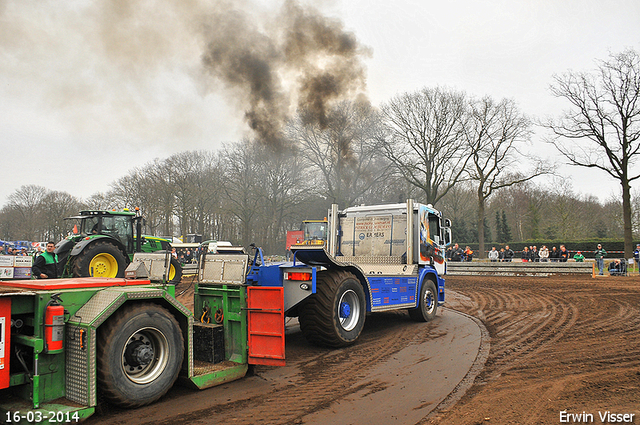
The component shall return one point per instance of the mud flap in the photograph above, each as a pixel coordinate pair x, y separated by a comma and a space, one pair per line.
265, 318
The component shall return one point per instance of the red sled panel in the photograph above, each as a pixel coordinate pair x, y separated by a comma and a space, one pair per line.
265, 318
5, 341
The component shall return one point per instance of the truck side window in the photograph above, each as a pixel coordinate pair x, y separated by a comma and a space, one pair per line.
434, 228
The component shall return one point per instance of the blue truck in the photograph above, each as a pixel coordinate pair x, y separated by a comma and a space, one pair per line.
377, 258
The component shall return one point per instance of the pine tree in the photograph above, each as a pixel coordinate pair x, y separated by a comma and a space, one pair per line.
506, 231
487, 230
499, 230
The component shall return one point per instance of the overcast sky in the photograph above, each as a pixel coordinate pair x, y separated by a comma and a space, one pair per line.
89, 90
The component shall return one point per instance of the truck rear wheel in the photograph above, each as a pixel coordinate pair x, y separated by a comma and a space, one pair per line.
427, 304
140, 352
334, 316
101, 259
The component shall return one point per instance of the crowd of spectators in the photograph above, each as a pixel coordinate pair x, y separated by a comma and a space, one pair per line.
185, 256
528, 254
20, 252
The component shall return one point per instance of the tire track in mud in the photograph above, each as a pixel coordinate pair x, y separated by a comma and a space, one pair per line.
331, 375
556, 342
326, 377
524, 325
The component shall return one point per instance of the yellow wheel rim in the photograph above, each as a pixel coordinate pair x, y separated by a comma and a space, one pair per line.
103, 265
172, 272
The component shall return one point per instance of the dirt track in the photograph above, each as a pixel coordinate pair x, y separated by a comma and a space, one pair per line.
557, 343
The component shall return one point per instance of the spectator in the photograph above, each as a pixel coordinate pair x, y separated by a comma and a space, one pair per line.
544, 254
508, 254
174, 254
600, 254
1, 249
468, 253
615, 268
46, 264
563, 255
37, 252
535, 256
9, 251
493, 254
457, 254
579, 257
526, 255
554, 255
449, 253
501, 255
636, 256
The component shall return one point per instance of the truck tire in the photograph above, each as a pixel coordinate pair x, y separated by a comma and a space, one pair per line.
175, 271
101, 259
140, 353
334, 316
427, 304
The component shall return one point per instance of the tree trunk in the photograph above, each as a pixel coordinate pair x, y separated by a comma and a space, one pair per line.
626, 213
481, 249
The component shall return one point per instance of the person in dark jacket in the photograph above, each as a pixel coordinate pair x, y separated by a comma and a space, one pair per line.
554, 255
508, 254
457, 254
564, 254
46, 264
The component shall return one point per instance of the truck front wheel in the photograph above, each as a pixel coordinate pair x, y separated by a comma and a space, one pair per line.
140, 352
334, 316
427, 304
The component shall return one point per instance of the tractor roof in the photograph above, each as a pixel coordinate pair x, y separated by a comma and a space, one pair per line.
97, 213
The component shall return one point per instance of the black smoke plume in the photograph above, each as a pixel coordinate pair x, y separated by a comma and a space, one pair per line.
298, 59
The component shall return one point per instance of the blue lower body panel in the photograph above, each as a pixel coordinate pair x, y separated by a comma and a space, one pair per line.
391, 291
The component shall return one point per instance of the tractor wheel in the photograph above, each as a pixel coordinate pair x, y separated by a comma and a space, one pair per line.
334, 316
101, 259
427, 304
140, 353
175, 271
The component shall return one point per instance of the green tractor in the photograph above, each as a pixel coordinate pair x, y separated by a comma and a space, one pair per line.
103, 244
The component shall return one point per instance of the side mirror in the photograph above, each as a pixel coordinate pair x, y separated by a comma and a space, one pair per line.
446, 223
447, 237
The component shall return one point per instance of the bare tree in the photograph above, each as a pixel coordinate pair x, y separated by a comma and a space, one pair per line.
345, 153
602, 128
194, 178
243, 191
425, 142
100, 201
285, 185
57, 207
27, 203
492, 134
147, 188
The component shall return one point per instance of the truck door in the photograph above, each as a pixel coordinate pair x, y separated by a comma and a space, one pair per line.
265, 318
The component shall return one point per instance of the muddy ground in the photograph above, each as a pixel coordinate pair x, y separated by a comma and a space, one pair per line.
557, 343
552, 344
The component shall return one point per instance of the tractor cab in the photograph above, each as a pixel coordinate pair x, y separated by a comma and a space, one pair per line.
314, 232
117, 225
